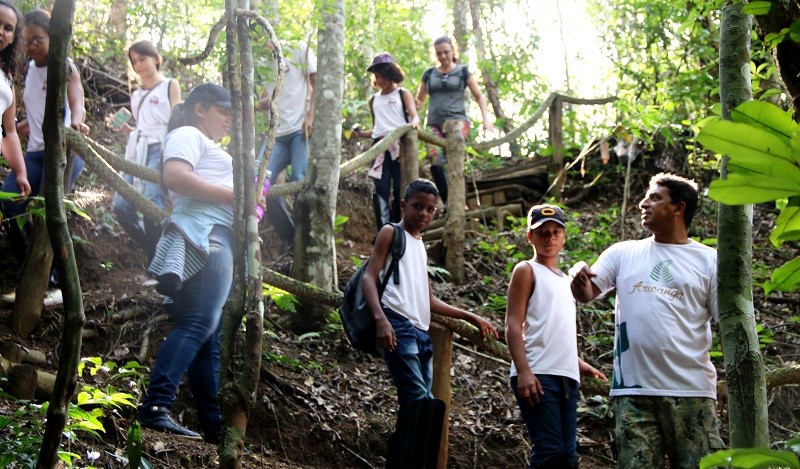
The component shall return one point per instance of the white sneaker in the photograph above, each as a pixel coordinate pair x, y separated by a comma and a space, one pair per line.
53, 297
150, 282
9, 297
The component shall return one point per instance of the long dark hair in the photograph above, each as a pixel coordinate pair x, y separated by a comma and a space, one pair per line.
11, 57
182, 115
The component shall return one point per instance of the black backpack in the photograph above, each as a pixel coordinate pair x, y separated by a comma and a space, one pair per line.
357, 318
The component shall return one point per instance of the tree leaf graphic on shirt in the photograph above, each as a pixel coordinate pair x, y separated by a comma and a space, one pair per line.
661, 273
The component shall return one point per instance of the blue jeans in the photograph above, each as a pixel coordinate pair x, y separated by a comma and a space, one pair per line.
552, 422
193, 344
142, 231
411, 364
34, 165
290, 149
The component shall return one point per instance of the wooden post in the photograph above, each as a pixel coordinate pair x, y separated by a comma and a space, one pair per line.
442, 339
454, 224
556, 131
34, 275
409, 159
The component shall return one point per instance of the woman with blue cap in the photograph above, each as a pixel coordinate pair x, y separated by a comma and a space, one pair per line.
193, 261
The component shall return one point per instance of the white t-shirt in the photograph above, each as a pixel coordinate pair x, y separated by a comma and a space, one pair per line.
666, 298
388, 111
152, 115
6, 93
34, 96
294, 93
213, 164
551, 340
411, 297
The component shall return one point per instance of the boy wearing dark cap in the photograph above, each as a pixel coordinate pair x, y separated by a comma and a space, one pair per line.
542, 339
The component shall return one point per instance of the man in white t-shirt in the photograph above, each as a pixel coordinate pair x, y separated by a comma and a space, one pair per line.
295, 123
664, 385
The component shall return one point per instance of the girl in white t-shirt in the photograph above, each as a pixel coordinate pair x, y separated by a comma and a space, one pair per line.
151, 108
391, 107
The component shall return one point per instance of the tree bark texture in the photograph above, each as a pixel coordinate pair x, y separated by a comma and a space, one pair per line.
32, 284
58, 230
315, 209
409, 159
455, 222
239, 373
461, 28
744, 365
780, 16
556, 133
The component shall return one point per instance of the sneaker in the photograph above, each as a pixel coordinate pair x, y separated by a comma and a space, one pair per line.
158, 418
9, 297
53, 297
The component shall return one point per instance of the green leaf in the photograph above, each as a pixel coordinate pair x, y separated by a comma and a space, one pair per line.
740, 189
787, 226
766, 116
757, 8
749, 147
134, 446
750, 458
785, 277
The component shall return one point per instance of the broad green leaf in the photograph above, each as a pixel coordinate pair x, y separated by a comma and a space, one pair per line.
740, 189
755, 149
750, 458
757, 8
796, 145
785, 277
765, 116
787, 226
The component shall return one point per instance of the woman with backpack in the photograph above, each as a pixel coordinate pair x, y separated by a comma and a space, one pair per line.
391, 107
445, 84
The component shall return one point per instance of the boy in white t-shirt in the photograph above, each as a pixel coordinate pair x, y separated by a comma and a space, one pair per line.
664, 385
542, 339
402, 317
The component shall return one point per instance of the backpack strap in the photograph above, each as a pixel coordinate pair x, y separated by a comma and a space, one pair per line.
426, 78
371, 111
398, 249
402, 91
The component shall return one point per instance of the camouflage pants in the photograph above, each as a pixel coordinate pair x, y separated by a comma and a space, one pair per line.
648, 427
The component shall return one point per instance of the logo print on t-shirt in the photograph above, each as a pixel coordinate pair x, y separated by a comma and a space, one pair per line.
661, 273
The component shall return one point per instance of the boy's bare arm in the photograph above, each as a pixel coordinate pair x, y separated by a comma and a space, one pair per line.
384, 333
586, 369
440, 307
520, 289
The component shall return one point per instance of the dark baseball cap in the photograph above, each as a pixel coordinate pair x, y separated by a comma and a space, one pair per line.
210, 93
544, 213
382, 58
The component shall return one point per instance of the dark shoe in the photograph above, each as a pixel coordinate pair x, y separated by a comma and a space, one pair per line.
157, 418
212, 433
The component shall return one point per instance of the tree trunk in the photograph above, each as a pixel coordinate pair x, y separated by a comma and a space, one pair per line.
315, 210
58, 230
781, 15
239, 375
492, 94
409, 160
556, 131
744, 365
454, 225
118, 19
461, 28
32, 284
